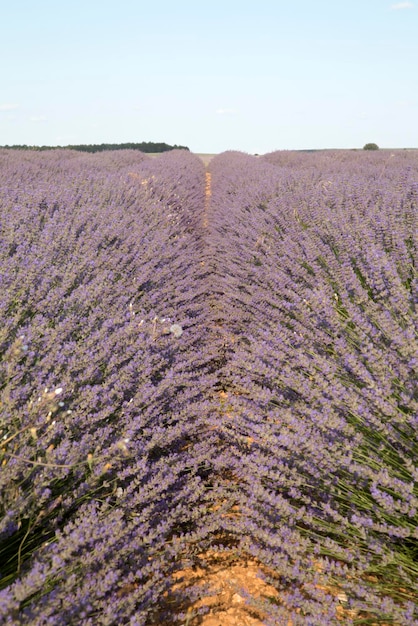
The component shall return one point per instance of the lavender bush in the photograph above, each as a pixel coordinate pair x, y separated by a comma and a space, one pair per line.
102, 404
317, 269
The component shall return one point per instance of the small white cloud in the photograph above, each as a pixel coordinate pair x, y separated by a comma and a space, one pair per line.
406, 104
402, 5
38, 118
8, 107
225, 111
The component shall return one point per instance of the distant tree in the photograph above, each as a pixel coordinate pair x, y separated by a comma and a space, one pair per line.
371, 146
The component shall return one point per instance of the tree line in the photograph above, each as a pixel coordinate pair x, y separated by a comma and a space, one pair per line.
144, 146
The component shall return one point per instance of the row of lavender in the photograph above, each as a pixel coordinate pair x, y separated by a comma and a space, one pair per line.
317, 262
104, 378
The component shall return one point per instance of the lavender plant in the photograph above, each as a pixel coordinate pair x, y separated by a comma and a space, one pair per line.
319, 289
102, 469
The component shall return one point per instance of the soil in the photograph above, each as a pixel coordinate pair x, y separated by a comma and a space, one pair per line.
228, 583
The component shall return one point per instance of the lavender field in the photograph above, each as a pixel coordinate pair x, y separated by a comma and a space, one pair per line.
199, 361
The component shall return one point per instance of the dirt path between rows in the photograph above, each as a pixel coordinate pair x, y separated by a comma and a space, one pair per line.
206, 158
228, 578
208, 194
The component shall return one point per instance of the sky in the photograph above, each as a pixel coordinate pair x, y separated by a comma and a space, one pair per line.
213, 75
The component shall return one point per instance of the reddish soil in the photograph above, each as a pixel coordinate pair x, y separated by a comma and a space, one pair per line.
227, 579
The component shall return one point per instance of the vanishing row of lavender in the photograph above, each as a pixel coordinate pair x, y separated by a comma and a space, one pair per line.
179, 374
103, 375
317, 266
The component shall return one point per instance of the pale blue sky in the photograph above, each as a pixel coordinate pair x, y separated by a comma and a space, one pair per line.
213, 75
